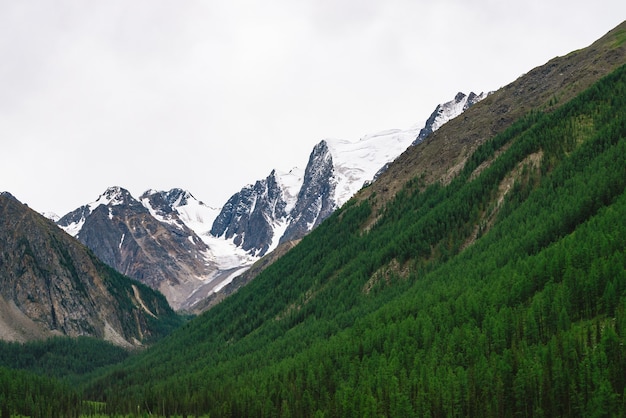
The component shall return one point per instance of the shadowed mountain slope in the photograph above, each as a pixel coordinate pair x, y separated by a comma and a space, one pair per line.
50, 284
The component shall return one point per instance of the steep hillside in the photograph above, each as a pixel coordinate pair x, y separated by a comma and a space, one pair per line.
498, 292
444, 153
50, 284
190, 252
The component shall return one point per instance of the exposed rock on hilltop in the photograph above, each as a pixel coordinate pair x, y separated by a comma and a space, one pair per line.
250, 216
447, 111
316, 199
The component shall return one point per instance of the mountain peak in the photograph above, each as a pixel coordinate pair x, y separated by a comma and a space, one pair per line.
8, 195
459, 97
114, 196
447, 111
171, 199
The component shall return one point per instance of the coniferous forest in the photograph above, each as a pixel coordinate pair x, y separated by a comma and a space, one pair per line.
499, 294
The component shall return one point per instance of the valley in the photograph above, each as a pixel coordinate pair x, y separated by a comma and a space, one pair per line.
482, 272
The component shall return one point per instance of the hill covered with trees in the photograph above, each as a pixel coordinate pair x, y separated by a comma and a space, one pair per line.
501, 293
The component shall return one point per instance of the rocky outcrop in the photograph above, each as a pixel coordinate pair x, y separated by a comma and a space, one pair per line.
250, 216
446, 111
316, 197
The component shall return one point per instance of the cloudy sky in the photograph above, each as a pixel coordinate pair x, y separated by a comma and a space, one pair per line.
211, 95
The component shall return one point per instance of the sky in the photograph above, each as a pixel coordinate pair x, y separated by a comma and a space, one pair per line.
210, 96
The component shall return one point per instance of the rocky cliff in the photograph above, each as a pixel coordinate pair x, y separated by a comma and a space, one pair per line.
51, 284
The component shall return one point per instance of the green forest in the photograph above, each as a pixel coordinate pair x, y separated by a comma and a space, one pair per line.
500, 294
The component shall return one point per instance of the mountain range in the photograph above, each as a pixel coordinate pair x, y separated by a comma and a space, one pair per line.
174, 243
482, 273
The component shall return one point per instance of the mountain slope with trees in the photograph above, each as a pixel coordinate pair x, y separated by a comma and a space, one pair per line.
52, 285
496, 289
498, 292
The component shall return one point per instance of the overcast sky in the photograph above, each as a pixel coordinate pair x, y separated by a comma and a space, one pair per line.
212, 95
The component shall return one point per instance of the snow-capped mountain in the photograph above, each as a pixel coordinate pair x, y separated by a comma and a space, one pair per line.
158, 240
188, 250
261, 216
251, 216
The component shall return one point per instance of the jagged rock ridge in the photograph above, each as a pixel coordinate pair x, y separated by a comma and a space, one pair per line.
446, 111
172, 242
160, 239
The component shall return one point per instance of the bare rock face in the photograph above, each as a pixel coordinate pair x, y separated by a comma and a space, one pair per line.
316, 197
447, 111
249, 215
157, 249
50, 284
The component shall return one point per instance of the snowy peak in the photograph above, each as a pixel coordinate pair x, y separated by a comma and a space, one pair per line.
163, 204
446, 111
115, 196
170, 199
250, 215
73, 222
285, 207
177, 207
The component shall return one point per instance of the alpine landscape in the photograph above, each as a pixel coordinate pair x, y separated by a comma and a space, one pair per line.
472, 265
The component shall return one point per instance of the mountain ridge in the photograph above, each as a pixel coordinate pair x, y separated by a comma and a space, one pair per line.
418, 314
41, 266
544, 87
335, 171
144, 238
496, 289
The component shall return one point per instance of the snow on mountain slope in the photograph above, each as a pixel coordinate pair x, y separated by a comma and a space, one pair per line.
254, 221
290, 184
336, 170
356, 163
177, 207
73, 222
448, 110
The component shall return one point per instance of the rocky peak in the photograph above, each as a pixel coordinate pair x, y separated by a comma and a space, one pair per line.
316, 197
446, 111
248, 217
175, 197
148, 243
114, 196
165, 202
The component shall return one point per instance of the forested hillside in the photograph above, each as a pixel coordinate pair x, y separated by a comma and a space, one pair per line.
500, 293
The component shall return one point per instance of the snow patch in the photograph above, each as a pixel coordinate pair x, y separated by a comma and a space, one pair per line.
74, 228
357, 162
